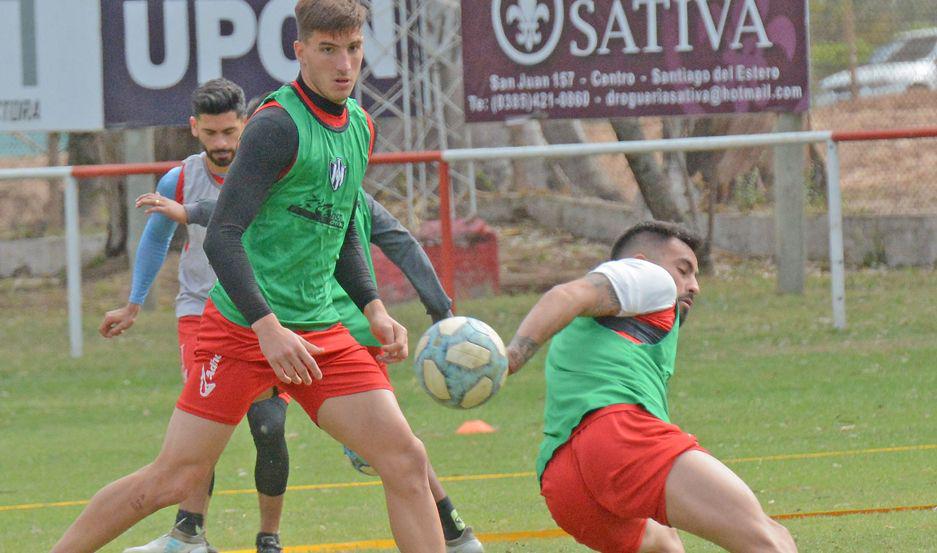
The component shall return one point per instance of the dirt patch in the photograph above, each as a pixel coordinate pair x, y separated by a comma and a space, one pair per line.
534, 259
885, 177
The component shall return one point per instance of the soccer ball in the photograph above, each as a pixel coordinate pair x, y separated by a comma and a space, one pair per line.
461, 362
358, 463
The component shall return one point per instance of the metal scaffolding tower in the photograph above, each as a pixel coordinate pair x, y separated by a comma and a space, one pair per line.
413, 90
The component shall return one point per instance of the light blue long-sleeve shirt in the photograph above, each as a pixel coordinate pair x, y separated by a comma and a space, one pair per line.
154, 242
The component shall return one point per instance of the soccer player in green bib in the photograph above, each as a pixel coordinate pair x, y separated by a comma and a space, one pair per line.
374, 222
282, 229
615, 473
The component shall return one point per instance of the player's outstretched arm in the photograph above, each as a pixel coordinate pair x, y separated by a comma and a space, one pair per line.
590, 296
404, 251
354, 276
150, 255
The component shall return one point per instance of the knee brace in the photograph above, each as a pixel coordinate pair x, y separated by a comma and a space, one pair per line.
267, 420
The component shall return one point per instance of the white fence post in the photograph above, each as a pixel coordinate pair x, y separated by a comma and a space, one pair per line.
73, 265
835, 214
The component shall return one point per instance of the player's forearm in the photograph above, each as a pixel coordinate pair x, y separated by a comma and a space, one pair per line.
352, 272
150, 255
555, 309
200, 212
374, 308
419, 271
404, 251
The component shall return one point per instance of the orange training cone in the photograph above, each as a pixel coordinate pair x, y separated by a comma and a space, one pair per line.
476, 426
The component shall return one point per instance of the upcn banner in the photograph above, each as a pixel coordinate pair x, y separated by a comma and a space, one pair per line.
623, 58
156, 52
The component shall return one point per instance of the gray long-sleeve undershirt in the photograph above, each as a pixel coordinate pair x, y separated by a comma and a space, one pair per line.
388, 234
267, 150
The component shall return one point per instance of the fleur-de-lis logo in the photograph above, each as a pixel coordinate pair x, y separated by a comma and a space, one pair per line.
533, 42
528, 14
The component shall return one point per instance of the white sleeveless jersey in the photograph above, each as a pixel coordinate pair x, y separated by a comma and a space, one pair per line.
196, 277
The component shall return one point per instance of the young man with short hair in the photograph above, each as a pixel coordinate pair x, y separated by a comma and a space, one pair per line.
615, 473
217, 122
282, 228
383, 230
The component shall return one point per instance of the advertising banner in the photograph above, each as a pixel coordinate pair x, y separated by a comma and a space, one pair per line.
50, 65
625, 58
158, 51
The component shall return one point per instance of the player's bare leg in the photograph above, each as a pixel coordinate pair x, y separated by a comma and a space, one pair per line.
698, 481
660, 539
371, 424
271, 509
198, 500
435, 486
190, 449
459, 536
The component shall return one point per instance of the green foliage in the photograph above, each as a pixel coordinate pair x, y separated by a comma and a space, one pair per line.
758, 375
749, 192
876, 23
827, 58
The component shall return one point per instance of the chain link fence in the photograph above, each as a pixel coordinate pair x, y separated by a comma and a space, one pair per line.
875, 67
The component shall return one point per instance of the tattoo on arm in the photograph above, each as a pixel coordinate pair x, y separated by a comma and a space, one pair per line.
520, 350
608, 303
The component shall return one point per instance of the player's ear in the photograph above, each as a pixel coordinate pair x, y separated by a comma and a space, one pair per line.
640, 256
193, 125
298, 47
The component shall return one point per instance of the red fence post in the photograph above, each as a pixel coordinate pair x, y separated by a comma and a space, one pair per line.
445, 221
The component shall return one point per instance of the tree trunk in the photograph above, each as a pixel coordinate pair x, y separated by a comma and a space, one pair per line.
174, 143
527, 174
648, 173
115, 194
583, 173
55, 206
86, 148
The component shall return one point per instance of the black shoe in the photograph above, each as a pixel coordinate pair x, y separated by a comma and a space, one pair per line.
269, 543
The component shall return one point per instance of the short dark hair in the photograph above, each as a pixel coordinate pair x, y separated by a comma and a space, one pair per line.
218, 96
330, 16
256, 101
657, 231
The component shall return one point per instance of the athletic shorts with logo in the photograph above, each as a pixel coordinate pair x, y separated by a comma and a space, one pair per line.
232, 371
187, 328
603, 484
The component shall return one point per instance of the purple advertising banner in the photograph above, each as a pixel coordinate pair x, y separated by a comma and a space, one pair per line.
156, 52
625, 58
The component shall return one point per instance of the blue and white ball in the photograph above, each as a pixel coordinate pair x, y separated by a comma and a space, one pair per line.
461, 362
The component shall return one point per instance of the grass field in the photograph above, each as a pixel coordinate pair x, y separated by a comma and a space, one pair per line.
813, 419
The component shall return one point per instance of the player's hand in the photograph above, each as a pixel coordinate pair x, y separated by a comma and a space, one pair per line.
117, 321
157, 203
290, 356
391, 334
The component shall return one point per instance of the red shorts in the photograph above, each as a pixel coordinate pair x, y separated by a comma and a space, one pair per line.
603, 484
374, 351
233, 371
187, 327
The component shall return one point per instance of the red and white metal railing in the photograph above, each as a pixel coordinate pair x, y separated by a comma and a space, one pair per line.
70, 174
